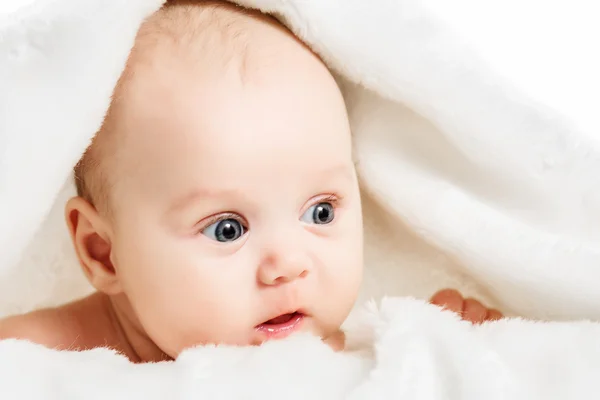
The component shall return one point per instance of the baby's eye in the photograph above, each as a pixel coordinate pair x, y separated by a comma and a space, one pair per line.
226, 230
321, 213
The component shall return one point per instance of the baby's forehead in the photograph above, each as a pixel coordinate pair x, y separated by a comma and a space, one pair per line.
183, 51
182, 92
181, 45
186, 45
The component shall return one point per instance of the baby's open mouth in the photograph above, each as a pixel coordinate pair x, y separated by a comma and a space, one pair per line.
282, 319
281, 325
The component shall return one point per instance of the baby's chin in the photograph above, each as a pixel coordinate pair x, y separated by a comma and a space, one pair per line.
277, 329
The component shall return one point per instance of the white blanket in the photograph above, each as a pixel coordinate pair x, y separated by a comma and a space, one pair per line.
419, 354
478, 144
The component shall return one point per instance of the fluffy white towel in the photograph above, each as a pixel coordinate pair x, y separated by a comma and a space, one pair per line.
413, 351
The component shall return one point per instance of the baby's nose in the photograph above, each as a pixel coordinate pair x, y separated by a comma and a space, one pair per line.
283, 268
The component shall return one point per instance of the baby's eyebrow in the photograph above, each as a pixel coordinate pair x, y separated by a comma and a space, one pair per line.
343, 170
199, 194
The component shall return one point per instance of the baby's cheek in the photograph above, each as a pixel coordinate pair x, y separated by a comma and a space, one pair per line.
348, 257
340, 283
348, 265
214, 308
189, 324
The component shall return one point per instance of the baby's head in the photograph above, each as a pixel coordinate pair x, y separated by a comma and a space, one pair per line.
220, 192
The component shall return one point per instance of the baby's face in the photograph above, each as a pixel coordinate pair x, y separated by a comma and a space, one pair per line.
236, 202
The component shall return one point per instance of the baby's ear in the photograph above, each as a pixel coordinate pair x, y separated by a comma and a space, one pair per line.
91, 238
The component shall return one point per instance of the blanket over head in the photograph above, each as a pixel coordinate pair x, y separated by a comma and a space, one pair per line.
477, 141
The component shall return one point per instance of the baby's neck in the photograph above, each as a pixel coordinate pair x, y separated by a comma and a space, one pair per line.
93, 322
131, 339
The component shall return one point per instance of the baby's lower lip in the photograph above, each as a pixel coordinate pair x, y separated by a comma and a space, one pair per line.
281, 330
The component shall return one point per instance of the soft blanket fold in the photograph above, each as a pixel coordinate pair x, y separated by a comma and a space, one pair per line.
477, 140
419, 353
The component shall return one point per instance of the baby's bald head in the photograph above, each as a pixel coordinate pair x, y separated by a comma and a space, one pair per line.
204, 35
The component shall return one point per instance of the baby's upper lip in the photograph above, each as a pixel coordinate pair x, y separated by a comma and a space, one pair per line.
289, 311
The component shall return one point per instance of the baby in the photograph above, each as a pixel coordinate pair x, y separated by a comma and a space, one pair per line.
218, 203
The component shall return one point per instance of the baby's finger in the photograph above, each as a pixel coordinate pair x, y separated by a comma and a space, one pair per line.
449, 299
474, 311
493, 315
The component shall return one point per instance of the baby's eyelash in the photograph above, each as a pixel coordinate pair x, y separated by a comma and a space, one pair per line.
331, 198
220, 217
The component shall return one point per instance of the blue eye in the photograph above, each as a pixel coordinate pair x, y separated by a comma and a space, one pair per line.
226, 230
320, 214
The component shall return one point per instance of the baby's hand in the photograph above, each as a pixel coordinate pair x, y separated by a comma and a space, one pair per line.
469, 309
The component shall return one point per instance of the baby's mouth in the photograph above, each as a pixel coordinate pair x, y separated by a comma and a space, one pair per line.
282, 319
281, 326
